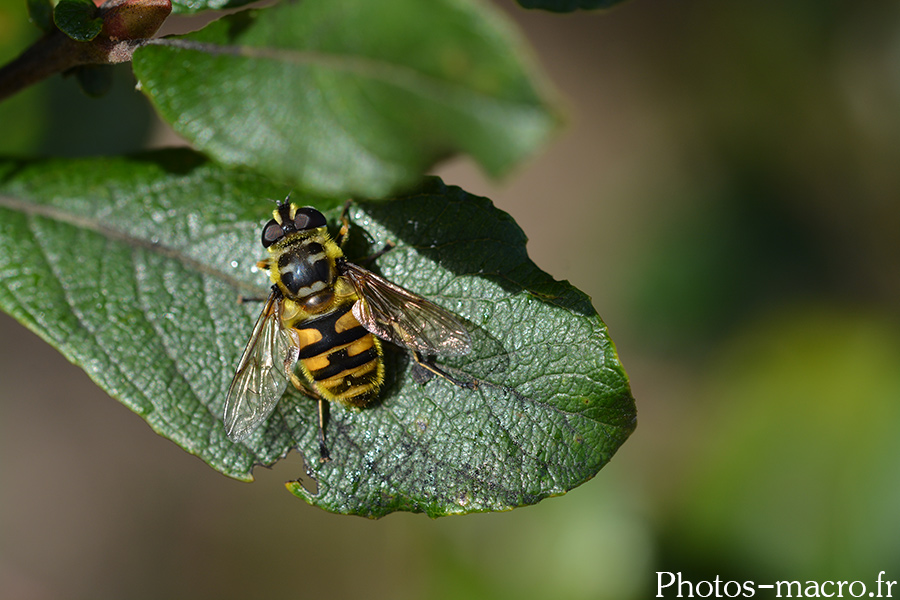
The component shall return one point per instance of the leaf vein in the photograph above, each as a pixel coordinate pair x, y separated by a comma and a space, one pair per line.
407, 78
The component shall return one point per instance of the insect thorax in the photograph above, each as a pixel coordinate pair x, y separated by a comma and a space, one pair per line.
303, 268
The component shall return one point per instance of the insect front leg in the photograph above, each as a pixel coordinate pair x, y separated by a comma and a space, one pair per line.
345, 230
341, 237
368, 259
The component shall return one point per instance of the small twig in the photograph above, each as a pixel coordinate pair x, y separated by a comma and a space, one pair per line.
126, 26
53, 53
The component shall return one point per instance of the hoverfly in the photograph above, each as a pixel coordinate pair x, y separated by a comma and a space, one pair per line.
322, 324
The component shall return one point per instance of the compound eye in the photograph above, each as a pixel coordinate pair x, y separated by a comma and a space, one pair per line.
271, 233
309, 218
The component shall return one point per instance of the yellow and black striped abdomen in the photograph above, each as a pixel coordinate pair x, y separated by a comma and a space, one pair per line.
339, 358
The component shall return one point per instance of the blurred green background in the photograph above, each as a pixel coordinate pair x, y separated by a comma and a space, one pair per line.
726, 191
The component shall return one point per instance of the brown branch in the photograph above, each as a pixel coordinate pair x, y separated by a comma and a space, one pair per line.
53, 53
126, 26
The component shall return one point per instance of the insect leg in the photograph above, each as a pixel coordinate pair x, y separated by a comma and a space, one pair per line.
303, 387
388, 246
248, 299
429, 366
324, 455
341, 237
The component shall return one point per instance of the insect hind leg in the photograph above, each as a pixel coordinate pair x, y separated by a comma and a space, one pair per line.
433, 369
324, 454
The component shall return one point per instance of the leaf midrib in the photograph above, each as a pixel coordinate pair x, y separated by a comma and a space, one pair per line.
64, 217
441, 91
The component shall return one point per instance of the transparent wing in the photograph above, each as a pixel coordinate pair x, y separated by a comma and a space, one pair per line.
401, 317
262, 373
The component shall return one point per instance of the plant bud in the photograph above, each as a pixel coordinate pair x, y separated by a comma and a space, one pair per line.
133, 19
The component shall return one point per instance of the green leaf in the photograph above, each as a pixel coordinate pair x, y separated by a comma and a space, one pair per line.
351, 97
132, 268
568, 5
78, 19
94, 80
185, 7
41, 14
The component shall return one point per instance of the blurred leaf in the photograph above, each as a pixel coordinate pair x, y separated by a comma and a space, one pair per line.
24, 121
22, 116
41, 14
78, 19
726, 259
75, 124
593, 546
95, 80
799, 446
351, 97
568, 5
194, 6
132, 268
